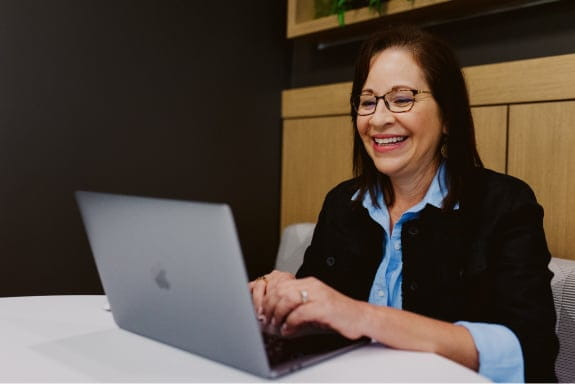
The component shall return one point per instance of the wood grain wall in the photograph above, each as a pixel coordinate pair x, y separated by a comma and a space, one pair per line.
524, 112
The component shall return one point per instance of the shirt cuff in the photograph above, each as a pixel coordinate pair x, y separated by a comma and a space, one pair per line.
500, 354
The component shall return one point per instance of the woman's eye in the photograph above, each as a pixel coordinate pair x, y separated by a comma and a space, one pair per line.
402, 100
367, 103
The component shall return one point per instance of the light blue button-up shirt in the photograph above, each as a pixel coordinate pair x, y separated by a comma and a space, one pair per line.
500, 355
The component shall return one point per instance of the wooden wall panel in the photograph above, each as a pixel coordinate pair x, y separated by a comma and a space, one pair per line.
541, 142
317, 155
541, 79
491, 136
323, 100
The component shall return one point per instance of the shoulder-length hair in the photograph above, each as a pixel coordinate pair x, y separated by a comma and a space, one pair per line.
447, 84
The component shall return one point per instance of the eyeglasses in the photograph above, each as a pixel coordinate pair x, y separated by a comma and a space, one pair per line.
397, 101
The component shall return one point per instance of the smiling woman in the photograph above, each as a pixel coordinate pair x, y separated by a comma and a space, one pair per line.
424, 249
403, 146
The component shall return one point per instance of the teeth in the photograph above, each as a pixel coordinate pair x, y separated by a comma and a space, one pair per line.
389, 140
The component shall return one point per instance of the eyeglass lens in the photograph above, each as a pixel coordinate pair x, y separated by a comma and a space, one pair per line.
395, 101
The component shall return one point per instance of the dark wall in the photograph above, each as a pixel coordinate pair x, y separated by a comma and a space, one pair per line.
542, 30
160, 98
172, 98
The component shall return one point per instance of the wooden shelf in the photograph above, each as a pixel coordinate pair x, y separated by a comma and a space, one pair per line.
301, 19
301, 15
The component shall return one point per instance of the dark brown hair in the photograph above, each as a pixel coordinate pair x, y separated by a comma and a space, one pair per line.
443, 74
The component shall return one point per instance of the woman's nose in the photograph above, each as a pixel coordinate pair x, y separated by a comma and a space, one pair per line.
382, 115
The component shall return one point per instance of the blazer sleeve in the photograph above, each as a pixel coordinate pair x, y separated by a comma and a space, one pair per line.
522, 283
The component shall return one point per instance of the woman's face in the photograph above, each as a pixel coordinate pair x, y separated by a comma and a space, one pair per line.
403, 146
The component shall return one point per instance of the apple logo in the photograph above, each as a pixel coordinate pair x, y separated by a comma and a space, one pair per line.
161, 277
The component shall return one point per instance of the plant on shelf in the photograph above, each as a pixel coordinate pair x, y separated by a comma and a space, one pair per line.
339, 7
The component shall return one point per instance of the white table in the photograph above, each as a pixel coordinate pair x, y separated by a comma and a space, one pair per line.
74, 339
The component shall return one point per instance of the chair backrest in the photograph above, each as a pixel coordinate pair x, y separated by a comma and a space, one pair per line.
296, 238
563, 286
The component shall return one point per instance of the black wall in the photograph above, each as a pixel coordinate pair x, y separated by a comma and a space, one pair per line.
172, 98
166, 98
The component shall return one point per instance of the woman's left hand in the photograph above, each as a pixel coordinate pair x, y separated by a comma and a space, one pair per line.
297, 303
294, 304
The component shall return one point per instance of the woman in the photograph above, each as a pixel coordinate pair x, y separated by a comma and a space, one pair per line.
424, 249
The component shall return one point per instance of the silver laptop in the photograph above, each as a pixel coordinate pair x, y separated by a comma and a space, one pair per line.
173, 271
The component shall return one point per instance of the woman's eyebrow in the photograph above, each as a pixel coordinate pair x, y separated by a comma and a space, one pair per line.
393, 88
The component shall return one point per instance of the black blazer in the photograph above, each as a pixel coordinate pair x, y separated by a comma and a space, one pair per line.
486, 262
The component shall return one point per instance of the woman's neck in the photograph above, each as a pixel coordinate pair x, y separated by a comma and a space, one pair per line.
409, 191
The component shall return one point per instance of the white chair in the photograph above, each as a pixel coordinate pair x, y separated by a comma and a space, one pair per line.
293, 242
296, 237
563, 286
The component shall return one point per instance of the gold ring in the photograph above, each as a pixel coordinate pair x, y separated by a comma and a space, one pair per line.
304, 296
262, 278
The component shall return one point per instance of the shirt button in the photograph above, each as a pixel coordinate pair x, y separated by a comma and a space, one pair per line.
397, 245
330, 261
413, 286
380, 293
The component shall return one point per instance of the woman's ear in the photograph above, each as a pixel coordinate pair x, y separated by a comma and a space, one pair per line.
443, 148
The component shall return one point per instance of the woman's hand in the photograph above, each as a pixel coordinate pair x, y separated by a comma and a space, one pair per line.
264, 284
293, 304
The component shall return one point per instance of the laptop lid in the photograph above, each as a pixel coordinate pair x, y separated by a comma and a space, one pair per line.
173, 271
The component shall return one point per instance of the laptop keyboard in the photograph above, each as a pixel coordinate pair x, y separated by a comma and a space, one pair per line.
281, 349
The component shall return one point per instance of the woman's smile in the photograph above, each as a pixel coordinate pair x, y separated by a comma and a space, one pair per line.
387, 143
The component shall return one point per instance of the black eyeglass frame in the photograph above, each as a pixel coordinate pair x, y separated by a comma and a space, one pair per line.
415, 92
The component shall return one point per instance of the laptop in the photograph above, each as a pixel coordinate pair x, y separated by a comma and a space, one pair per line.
173, 271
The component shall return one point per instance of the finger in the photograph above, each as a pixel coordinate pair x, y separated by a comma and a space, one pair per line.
301, 317
275, 277
258, 294
278, 288
340, 314
276, 298
268, 302
288, 296
284, 306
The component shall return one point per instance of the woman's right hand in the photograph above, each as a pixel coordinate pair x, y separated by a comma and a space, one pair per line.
264, 284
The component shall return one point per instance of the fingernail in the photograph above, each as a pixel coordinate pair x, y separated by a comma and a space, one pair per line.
273, 322
284, 329
260, 314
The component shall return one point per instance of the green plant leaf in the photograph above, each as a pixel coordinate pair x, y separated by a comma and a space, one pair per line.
341, 18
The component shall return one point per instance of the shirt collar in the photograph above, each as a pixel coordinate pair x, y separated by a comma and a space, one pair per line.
438, 188
434, 195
